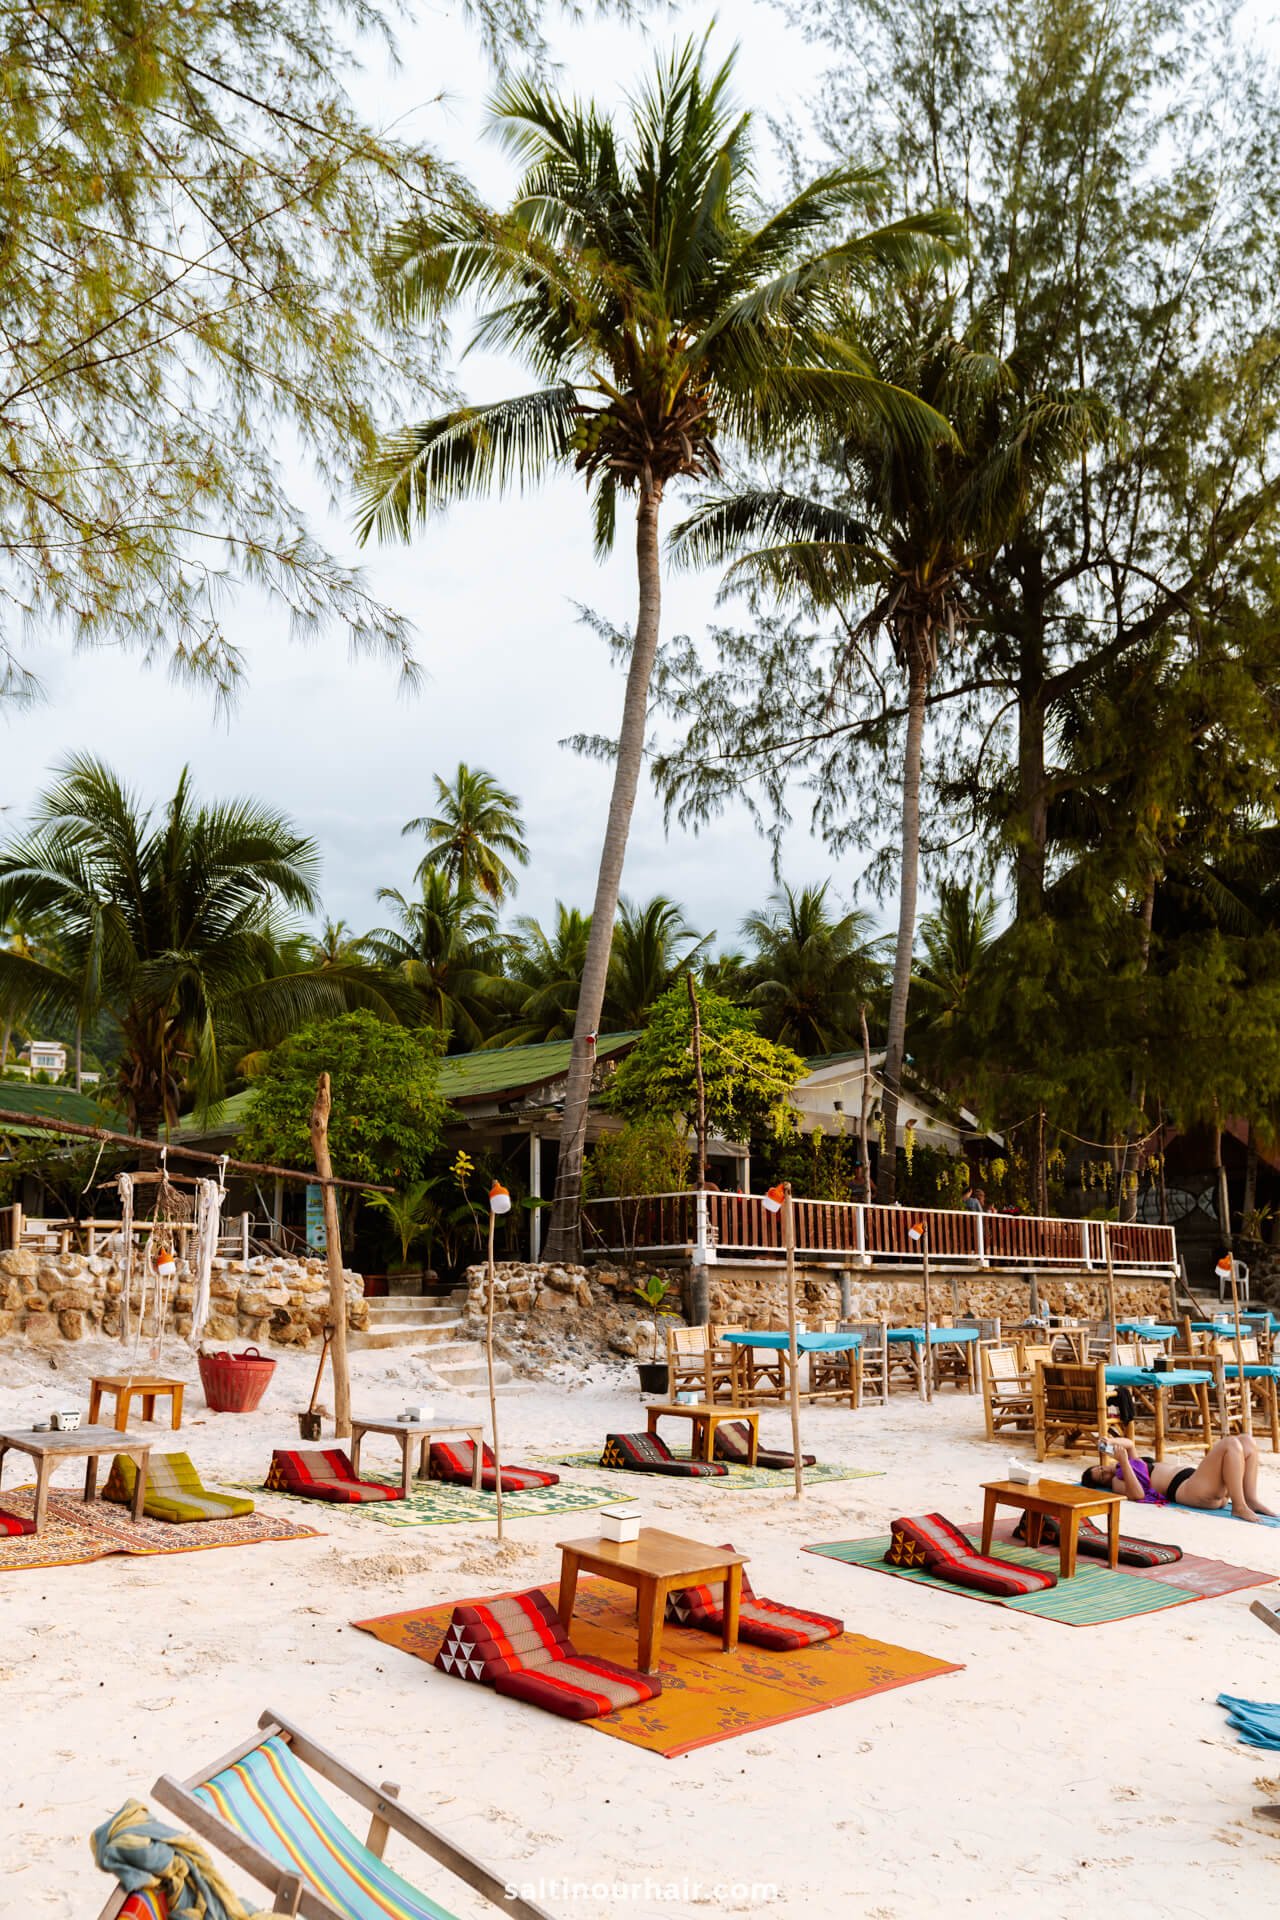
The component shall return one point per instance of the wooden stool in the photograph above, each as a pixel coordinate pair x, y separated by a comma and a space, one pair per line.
149, 1387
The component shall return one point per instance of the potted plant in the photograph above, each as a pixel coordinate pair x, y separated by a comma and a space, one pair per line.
653, 1372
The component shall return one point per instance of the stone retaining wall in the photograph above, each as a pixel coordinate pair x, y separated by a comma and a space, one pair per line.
50, 1297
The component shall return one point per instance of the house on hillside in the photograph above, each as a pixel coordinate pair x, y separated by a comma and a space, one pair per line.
43, 1056
830, 1097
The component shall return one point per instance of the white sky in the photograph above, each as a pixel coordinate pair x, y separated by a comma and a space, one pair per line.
491, 591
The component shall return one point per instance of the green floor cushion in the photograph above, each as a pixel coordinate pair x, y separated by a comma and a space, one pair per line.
174, 1491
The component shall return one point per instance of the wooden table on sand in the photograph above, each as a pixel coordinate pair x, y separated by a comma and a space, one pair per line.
706, 1419
406, 1431
653, 1566
150, 1387
86, 1443
1060, 1501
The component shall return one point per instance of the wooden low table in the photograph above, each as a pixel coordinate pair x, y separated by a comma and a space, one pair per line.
652, 1567
1058, 1500
406, 1431
86, 1443
124, 1385
705, 1419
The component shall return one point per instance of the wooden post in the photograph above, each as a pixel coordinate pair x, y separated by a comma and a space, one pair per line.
490, 1289
333, 1256
699, 1083
920, 1232
793, 1354
1246, 1397
244, 1227
1111, 1287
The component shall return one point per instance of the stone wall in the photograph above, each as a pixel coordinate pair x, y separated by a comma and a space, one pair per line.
48, 1298
521, 1287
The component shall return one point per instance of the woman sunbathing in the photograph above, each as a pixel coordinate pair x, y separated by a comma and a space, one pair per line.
1228, 1472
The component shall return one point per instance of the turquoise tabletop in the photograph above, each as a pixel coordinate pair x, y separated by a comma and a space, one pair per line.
1147, 1377
947, 1336
805, 1342
1142, 1331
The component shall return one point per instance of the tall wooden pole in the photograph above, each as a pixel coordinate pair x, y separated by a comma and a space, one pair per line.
490, 1290
793, 1352
1246, 1397
1111, 1288
333, 1257
699, 1082
928, 1316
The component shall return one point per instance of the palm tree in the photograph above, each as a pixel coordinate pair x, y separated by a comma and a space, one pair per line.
956, 938
891, 557
662, 308
545, 977
445, 947
476, 832
336, 946
652, 949
167, 924
812, 971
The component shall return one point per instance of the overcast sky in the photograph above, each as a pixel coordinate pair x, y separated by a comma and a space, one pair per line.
492, 592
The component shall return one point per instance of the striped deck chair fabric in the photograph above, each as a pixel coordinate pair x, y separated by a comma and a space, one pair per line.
761, 1622
516, 1645
931, 1544
323, 1473
648, 1453
149, 1905
455, 1462
733, 1443
1092, 1539
270, 1798
174, 1490
13, 1526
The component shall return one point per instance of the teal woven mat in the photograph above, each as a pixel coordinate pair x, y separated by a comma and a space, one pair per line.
432, 1503
1093, 1596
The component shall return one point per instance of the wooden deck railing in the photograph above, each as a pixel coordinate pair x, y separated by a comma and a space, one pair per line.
853, 1233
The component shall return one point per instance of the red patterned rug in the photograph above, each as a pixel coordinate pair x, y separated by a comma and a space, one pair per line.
74, 1532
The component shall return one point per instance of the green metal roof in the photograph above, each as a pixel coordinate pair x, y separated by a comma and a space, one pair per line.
497, 1071
50, 1103
228, 1117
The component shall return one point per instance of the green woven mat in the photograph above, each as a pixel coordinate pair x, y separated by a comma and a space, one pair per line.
1093, 1596
433, 1503
739, 1477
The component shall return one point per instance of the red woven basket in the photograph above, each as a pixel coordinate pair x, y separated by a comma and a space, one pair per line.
234, 1382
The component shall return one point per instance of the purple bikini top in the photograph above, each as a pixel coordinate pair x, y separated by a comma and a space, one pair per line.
1142, 1473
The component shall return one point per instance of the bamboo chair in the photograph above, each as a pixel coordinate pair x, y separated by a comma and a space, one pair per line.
836, 1376
305, 1830
1071, 1344
1260, 1390
1034, 1352
722, 1364
1189, 1410
687, 1351
1069, 1405
1007, 1390
873, 1358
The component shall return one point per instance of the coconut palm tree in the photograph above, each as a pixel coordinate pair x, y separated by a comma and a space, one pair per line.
652, 949
544, 977
812, 971
892, 552
444, 946
167, 923
956, 937
664, 310
475, 833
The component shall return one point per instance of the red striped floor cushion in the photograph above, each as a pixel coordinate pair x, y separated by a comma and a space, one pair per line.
323, 1473
646, 1453
1092, 1539
516, 1645
733, 1443
12, 1526
761, 1622
931, 1544
455, 1461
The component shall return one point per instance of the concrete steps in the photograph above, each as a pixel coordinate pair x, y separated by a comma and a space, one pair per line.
424, 1322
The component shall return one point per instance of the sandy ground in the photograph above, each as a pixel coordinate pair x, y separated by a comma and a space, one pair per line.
1065, 1771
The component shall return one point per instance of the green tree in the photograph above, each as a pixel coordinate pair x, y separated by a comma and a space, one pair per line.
955, 938
475, 835
652, 949
663, 309
544, 977
812, 971
444, 946
169, 923
748, 1080
388, 1112
647, 1155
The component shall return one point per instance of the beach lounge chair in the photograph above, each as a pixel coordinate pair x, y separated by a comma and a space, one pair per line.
1091, 1539
174, 1491
455, 1461
516, 1645
933, 1545
259, 1806
733, 1443
646, 1453
762, 1623
323, 1473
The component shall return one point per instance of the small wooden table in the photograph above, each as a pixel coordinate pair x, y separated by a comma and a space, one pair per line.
87, 1443
705, 1420
652, 1566
1059, 1500
125, 1385
407, 1431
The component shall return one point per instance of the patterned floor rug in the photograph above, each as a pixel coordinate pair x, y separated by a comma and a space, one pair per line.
707, 1695
74, 1532
432, 1503
741, 1479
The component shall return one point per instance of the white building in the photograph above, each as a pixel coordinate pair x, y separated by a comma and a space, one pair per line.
830, 1097
44, 1056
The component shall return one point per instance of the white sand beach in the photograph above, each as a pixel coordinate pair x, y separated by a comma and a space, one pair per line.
1065, 1771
